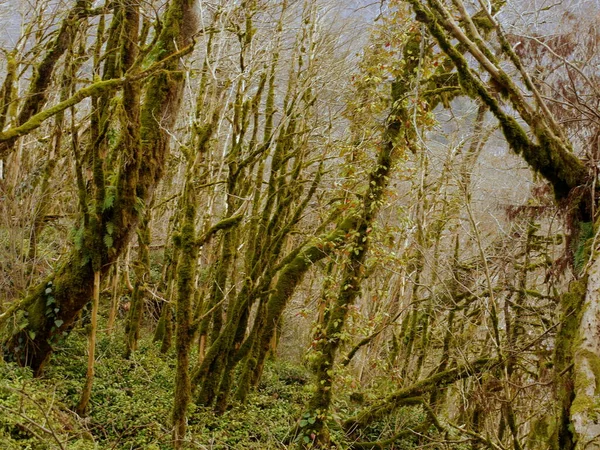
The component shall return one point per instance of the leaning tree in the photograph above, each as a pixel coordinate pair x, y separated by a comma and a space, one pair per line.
135, 96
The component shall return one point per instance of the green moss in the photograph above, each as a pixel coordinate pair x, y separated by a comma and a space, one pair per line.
571, 306
583, 245
38, 119
584, 402
571, 310
541, 431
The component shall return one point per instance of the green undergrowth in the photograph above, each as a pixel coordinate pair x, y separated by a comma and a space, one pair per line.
131, 405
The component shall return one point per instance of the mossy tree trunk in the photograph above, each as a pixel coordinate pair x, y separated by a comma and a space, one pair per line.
142, 279
187, 245
29, 333
74, 57
352, 274
295, 266
550, 155
585, 408
183, 317
279, 165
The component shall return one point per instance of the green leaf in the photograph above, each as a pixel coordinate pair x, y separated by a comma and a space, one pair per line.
50, 300
31, 334
58, 322
303, 423
48, 290
109, 200
312, 420
108, 241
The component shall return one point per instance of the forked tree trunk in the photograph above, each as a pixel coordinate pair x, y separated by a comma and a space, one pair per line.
30, 332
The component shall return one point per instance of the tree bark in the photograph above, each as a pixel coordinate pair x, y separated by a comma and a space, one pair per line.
585, 408
89, 377
144, 144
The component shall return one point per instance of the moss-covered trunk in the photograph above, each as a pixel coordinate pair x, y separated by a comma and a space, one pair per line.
142, 274
352, 275
290, 275
585, 409
30, 327
183, 318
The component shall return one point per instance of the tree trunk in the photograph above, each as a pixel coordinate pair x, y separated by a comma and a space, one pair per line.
89, 377
142, 275
144, 145
585, 408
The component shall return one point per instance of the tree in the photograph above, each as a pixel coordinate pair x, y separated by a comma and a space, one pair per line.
548, 152
121, 190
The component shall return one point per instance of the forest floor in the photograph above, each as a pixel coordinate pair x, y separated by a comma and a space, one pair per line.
132, 400
131, 403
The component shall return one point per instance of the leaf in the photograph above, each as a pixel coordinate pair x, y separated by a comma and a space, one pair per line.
31, 334
48, 290
303, 423
109, 200
108, 241
312, 420
58, 322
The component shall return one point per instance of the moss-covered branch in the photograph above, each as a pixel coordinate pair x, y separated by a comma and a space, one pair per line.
43, 74
36, 121
421, 429
550, 157
222, 225
436, 381
95, 89
33, 328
